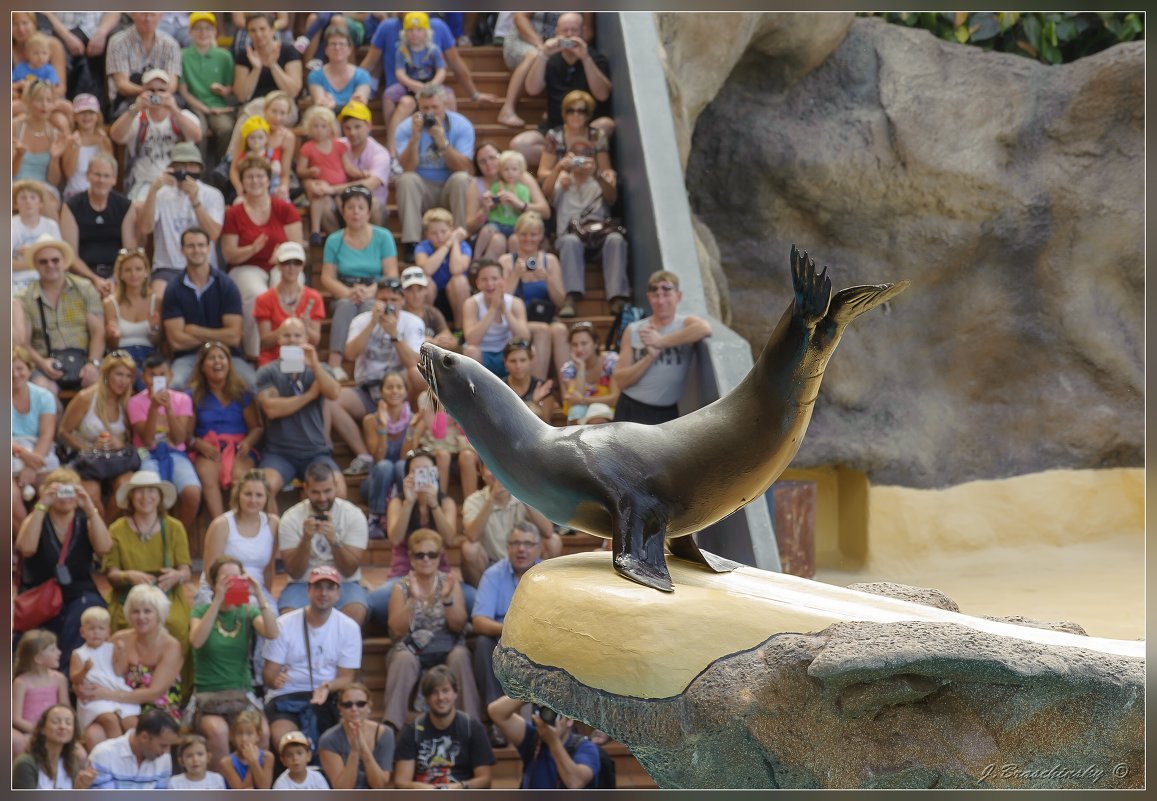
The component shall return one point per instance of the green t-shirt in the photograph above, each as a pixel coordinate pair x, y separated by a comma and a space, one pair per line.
199, 71
222, 663
503, 214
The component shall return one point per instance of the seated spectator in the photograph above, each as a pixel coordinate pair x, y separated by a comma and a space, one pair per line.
317, 24
28, 225
87, 139
426, 618
324, 165
417, 507
495, 591
92, 663
37, 683
171, 207
316, 654
578, 109
517, 358
24, 29
491, 318
201, 307
597, 414
222, 679
228, 424
293, 404
193, 754
54, 758
586, 376
162, 421
265, 57
34, 65
558, 69
528, 31
85, 35
206, 83
133, 53
583, 193
249, 766
534, 275
132, 314
444, 256
296, 752
286, 297
247, 534
150, 548
63, 319
95, 223
490, 243
340, 79
358, 752
489, 515
33, 434
416, 62
140, 759
40, 539
96, 426
371, 158
254, 143
415, 288
38, 143
356, 257
385, 431
254, 229
554, 756
435, 431
443, 747
436, 163
323, 530
150, 127
508, 195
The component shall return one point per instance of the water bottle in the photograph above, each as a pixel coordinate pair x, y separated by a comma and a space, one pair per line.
104, 442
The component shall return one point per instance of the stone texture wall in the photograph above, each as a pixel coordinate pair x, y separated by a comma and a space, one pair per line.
1010, 193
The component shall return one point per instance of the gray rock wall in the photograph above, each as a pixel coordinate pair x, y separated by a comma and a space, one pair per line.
1010, 193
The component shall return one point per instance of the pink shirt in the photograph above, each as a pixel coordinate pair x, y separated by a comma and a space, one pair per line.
139, 412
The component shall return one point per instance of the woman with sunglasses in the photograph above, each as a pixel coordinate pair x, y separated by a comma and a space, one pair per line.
355, 258
586, 376
534, 274
577, 111
132, 314
518, 356
427, 613
228, 426
357, 753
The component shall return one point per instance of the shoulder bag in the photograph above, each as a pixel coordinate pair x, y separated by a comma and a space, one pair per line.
593, 233
69, 361
36, 606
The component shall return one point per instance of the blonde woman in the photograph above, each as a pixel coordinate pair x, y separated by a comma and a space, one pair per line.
534, 274
132, 314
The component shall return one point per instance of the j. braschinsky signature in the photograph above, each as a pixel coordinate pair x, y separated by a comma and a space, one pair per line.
1013, 771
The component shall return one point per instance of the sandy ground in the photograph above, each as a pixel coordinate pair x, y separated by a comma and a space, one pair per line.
1062, 545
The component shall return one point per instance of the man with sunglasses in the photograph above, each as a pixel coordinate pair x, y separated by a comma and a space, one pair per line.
656, 355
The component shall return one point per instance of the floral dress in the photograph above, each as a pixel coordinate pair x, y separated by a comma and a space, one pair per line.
139, 675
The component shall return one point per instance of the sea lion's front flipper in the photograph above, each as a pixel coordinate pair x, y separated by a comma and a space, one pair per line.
813, 292
850, 303
638, 548
687, 548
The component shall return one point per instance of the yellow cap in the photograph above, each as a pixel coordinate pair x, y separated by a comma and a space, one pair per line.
416, 19
357, 110
202, 16
253, 124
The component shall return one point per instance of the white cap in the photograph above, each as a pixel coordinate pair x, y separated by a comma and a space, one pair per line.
414, 276
288, 251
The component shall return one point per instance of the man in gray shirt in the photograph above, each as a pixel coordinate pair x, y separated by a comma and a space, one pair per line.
656, 355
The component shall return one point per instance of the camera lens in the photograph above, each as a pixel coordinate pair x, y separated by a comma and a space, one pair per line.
548, 715
532, 263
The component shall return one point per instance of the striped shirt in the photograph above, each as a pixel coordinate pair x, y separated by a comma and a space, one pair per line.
117, 767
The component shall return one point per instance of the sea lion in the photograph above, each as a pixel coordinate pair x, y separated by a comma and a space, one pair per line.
643, 485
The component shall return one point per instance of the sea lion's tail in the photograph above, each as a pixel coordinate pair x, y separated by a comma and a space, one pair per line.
813, 292
850, 303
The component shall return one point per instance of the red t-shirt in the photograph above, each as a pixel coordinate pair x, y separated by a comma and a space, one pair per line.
281, 214
332, 172
268, 307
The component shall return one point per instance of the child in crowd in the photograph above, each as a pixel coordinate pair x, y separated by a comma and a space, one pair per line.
207, 83
295, 755
38, 683
255, 134
92, 663
282, 139
29, 223
445, 256
89, 138
508, 196
323, 163
249, 766
436, 432
37, 52
385, 434
417, 62
162, 421
193, 754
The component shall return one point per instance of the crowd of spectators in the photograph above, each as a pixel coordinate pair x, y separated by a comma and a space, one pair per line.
168, 382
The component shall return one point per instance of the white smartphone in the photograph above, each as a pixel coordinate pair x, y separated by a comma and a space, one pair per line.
426, 477
292, 359
158, 384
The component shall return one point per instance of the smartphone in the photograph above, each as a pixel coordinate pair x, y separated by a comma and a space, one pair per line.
237, 591
292, 359
65, 491
426, 477
158, 384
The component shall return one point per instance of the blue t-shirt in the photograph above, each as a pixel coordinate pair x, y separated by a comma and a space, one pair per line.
230, 419
45, 73
541, 772
318, 78
442, 276
421, 64
495, 591
386, 39
219, 298
431, 165
365, 263
41, 401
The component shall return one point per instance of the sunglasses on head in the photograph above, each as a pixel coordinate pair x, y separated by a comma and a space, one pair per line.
131, 251
352, 704
416, 452
431, 555
663, 287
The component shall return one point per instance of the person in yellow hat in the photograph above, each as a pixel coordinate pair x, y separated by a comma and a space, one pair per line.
369, 156
254, 141
418, 62
206, 84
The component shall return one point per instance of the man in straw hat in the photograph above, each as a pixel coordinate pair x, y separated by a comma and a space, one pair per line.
63, 318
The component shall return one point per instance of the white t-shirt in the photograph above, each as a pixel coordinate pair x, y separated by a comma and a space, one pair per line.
211, 781
23, 235
148, 154
173, 213
313, 781
350, 528
337, 644
379, 356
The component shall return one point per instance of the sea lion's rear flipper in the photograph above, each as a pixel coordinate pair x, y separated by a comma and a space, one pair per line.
813, 293
638, 548
850, 303
687, 548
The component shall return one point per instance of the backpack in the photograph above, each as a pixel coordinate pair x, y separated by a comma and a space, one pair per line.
626, 316
605, 778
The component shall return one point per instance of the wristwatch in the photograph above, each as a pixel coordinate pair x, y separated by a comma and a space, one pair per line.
95, 363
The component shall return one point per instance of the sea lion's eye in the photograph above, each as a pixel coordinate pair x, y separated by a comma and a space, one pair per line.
448, 360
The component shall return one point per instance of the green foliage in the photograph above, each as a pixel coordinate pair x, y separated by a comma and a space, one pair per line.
1051, 38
